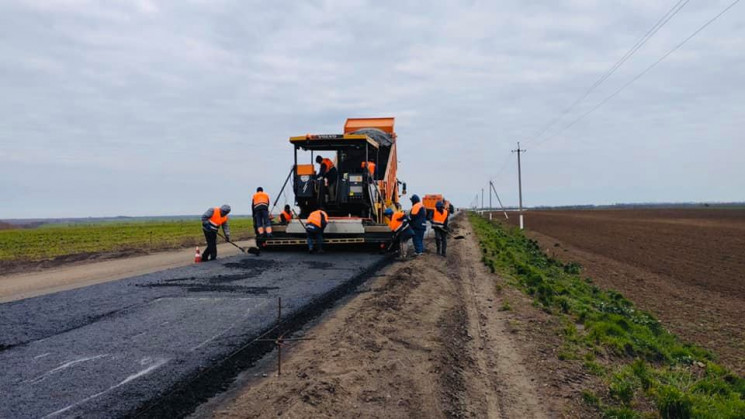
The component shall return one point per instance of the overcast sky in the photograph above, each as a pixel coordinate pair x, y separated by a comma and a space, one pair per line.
169, 107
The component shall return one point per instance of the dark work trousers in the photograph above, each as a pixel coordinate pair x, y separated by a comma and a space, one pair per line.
418, 240
315, 237
262, 220
210, 253
441, 239
325, 190
400, 241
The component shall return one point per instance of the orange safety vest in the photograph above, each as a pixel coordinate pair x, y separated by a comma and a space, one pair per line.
370, 166
286, 216
416, 208
397, 221
261, 199
217, 220
439, 218
316, 216
328, 163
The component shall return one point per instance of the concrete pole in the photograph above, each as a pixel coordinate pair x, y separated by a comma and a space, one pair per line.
520, 183
482, 199
490, 186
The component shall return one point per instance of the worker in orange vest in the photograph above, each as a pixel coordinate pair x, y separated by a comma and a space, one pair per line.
212, 219
260, 205
327, 174
370, 167
418, 217
314, 226
399, 225
439, 223
286, 215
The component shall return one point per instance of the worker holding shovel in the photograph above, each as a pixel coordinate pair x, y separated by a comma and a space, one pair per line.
399, 225
212, 219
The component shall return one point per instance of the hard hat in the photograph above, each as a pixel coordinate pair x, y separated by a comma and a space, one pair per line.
225, 208
415, 198
388, 212
319, 158
259, 189
440, 205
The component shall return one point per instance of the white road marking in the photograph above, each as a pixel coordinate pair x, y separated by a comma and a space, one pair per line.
132, 377
62, 367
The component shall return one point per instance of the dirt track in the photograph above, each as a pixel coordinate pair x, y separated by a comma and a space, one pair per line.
425, 339
685, 266
46, 281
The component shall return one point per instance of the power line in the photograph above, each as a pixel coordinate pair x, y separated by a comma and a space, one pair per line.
643, 40
638, 76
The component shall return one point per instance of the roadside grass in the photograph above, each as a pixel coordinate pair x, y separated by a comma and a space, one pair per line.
643, 365
51, 241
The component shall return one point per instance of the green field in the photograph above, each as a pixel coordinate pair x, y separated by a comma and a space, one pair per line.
640, 363
54, 240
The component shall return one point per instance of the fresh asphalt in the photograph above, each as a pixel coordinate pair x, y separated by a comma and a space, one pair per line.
108, 350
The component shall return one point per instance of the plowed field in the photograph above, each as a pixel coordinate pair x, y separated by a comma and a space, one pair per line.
685, 265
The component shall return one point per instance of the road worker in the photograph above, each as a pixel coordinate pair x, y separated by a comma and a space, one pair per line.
260, 205
314, 226
286, 215
327, 174
439, 223
370, 168
449, 207
399, 225
418, 217
212, 219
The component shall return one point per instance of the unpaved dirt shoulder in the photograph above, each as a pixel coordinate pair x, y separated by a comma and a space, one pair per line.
425, 339
82, 274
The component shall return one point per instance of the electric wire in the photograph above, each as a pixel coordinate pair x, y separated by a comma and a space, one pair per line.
641, 74
643, 40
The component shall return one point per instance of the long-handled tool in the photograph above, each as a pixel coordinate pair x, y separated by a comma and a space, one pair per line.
298, 218
252, 250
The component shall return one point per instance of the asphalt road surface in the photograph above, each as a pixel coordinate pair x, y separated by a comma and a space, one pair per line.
109, 349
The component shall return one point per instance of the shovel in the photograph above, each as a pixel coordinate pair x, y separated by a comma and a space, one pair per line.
252, 250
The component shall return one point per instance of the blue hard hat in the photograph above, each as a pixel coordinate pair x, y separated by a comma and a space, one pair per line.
388, 212
440, 205
415, 198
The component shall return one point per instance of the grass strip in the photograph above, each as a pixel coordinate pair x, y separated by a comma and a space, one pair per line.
647, 370
51, 241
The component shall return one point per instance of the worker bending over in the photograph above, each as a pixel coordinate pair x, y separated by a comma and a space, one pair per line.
439, 223
260, 205
327, 174
399, 225
212, 219
418, 217
285, 216
314, 226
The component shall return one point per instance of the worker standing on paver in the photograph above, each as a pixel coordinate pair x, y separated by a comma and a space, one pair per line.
314, 226
399, 225
212, 219
370, 166
260, 205
418, 217
285, 216
439, 222
327, 174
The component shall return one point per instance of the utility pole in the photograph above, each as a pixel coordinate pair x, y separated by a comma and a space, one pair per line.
520, 182
490, 188
482, 198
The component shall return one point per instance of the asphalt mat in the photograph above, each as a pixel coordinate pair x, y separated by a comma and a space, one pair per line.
110, 349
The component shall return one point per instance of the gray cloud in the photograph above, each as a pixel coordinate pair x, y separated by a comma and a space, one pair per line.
164, 107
